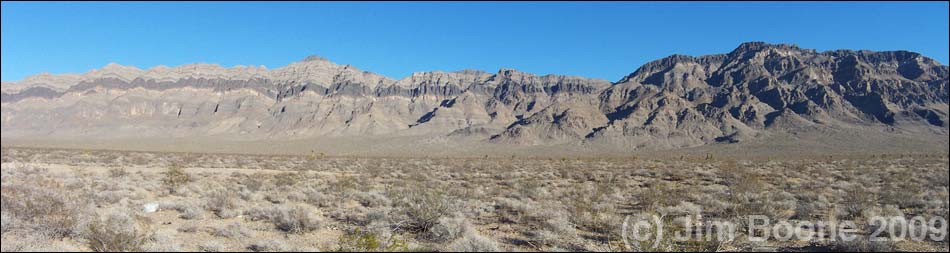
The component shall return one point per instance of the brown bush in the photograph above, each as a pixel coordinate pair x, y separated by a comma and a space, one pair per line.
422, 209
862, 246
295, 219
298, 219
45, 206
856, 200
287, 179
117, 232
223, 203
118, 172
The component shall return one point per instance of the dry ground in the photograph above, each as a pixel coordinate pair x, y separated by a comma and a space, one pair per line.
74, 200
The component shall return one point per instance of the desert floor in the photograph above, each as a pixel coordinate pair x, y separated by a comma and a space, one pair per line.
86, 200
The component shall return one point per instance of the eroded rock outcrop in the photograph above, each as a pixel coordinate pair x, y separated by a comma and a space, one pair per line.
678, 101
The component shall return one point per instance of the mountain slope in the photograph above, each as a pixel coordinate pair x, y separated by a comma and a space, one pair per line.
755, 91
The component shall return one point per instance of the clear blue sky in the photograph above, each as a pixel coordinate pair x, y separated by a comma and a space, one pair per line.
604, 40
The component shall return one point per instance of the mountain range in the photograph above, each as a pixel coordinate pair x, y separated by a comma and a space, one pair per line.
756, 91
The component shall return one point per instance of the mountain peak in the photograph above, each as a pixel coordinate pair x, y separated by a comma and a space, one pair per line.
116, 66
315, 58
759, 46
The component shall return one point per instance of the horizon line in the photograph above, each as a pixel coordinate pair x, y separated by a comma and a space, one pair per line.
322, 58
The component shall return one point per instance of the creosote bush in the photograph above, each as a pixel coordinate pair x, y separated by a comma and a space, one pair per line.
174, 178
362, 241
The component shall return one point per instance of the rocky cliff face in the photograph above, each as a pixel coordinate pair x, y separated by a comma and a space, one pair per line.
679, 101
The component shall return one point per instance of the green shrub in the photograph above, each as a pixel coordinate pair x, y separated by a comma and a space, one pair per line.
359, 241
175, 177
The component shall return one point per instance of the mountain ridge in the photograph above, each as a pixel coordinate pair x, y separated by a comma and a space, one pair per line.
756, 90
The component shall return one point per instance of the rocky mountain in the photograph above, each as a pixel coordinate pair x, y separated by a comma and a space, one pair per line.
754, 91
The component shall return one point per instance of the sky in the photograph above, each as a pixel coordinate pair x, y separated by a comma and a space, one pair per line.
606, 40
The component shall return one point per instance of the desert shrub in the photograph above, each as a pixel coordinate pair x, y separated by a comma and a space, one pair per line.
188, 229
512, 210
222, 203
778, 205
287, 179
590, 207
298, 219
30, 242
276, 196
186, 210
254, 182
655, 195
110, 197
449, 228
373, 199
345, 186
667, 241
741, 180
45, 206
269, 245
943, 179
473, 242
248, 195
6, 222
422, 209
360, 241
175, 177
371, 215
531, 189
862, 246
118, 172
555, 231
117, 232
211, 246
258, 213
856, 199
750, 195
164, 241
233, 230
811, 205
317, 198
905, 194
